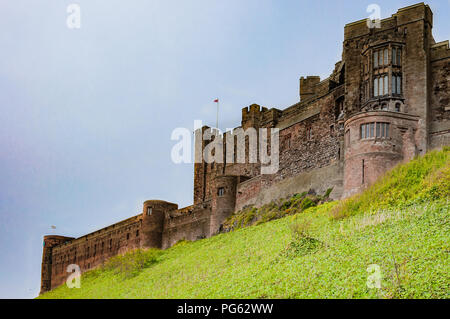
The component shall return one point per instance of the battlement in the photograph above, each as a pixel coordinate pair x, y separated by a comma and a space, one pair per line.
308, 87
253, 109
252, 115
404, 16
440, 51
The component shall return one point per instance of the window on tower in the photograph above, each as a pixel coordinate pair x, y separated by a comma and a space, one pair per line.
375, 129
396, 84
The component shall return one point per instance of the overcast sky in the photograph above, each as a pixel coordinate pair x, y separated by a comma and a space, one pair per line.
86, 114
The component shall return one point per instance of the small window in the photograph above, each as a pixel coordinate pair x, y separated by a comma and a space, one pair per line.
137, 233
380, 58
384, 107
375, 87
381, 130
380, 86
396, 84
221, 191
397, 56
397, 107
384, 129
331, 130
370, 130
149, 211
128, 236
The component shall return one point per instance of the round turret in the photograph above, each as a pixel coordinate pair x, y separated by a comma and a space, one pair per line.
153, 222
375, 142
223, 201
49, 242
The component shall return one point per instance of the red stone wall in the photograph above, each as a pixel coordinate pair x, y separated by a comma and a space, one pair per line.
247, 192
92, 250
190, 223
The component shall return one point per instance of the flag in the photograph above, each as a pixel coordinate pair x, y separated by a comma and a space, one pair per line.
216, 101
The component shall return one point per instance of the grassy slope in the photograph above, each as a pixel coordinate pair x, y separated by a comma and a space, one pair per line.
401, 224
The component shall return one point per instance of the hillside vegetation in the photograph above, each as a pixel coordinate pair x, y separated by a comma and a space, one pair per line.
317, 249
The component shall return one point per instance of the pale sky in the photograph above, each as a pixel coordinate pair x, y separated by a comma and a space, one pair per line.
87, 114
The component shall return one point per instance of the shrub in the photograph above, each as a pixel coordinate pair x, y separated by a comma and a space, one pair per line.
302, 243
307, 203
133, 262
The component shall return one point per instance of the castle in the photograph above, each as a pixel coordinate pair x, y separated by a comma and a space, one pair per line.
386, 102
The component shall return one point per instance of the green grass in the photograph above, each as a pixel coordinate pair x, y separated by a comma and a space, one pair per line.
400, 224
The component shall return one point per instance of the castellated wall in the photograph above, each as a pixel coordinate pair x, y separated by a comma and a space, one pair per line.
93, 249
331, 138
141, 231
310, 153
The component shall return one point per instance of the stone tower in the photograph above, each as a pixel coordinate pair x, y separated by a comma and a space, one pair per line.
153, 216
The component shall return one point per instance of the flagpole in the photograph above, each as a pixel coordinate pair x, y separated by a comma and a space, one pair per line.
217, 117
